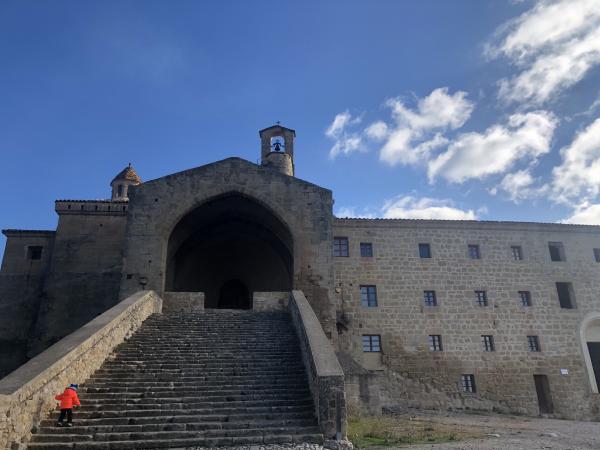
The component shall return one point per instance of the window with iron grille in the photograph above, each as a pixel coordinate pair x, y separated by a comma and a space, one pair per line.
34, 252
525, 297
481, 298
566, 297
371, 343
474, 252
467, 382
366, 249
424, 250
435, 342
429, 298
533, 343
340, 246
488, 343
517, 252
368, 296
557, 251
597, 255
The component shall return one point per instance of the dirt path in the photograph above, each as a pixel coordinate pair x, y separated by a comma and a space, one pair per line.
517, 433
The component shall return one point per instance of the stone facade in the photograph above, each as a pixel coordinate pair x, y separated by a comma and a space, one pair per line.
235, 230
412, 374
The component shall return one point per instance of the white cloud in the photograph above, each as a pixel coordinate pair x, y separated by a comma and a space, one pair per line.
519, 186
417, 132
579, 173
351, 211
585, 214
478, 155
409, 207
554, 44
346, 141
377, 131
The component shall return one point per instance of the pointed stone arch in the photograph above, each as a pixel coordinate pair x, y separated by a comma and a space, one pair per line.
589, 332
229, 237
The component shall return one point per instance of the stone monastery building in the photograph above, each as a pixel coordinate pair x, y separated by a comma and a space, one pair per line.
481, 315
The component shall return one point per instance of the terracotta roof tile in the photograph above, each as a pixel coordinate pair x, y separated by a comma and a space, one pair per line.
128, 174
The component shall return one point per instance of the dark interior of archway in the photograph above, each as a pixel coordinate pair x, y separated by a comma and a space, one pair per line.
229, 248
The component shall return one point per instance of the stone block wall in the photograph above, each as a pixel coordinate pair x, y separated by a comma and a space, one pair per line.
183, 301
409, 372
270, 301
27, 394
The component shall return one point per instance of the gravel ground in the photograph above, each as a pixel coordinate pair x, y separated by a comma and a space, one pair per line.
518, 433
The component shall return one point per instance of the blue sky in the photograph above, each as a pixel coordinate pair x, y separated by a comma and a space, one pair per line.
429, 109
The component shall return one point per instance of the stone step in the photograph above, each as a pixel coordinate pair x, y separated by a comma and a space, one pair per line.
182, 443
51, 429
217, 416
186, 434
182, 416
205, 408
194, 379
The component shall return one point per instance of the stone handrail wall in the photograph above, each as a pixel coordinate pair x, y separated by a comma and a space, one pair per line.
325, 374
27, 394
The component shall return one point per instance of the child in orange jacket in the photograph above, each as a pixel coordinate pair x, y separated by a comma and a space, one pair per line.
67, 399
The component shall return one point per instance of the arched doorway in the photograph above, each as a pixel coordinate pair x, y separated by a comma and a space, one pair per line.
234, 295
590, 342
228, 248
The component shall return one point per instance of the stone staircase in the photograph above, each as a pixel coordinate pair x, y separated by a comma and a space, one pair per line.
204, 379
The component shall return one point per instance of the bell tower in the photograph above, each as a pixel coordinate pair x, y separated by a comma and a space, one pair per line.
277, 149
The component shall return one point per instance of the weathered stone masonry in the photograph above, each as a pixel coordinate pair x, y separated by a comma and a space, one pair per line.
504, 377
278, 232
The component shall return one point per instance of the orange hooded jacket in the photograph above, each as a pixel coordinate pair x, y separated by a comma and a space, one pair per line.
68, 399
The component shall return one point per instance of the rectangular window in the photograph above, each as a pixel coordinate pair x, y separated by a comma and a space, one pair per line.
366, 249
368, 296
474, 252
371, 343
435, 343
34, 252
525, 297
481, 298
424, 250
597, 255
429, 298
120, 190
566, 297
517, 252
557, 251
533, 343
467, 382
340, 246
488, 343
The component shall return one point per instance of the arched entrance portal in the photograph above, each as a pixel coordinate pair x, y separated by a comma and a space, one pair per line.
590, 342
229, 248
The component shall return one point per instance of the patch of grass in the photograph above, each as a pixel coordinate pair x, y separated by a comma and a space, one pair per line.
383, 431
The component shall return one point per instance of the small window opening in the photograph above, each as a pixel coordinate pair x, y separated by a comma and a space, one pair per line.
340, 246
429, 298
474, 252
371, 343
533, 343
467, 382
368, 296
120, 190
566, 296
557, 251
481, 298
435, 343
517, 252
34, 252
488, 343
366, 249
525, 297
424, 250
597, 255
